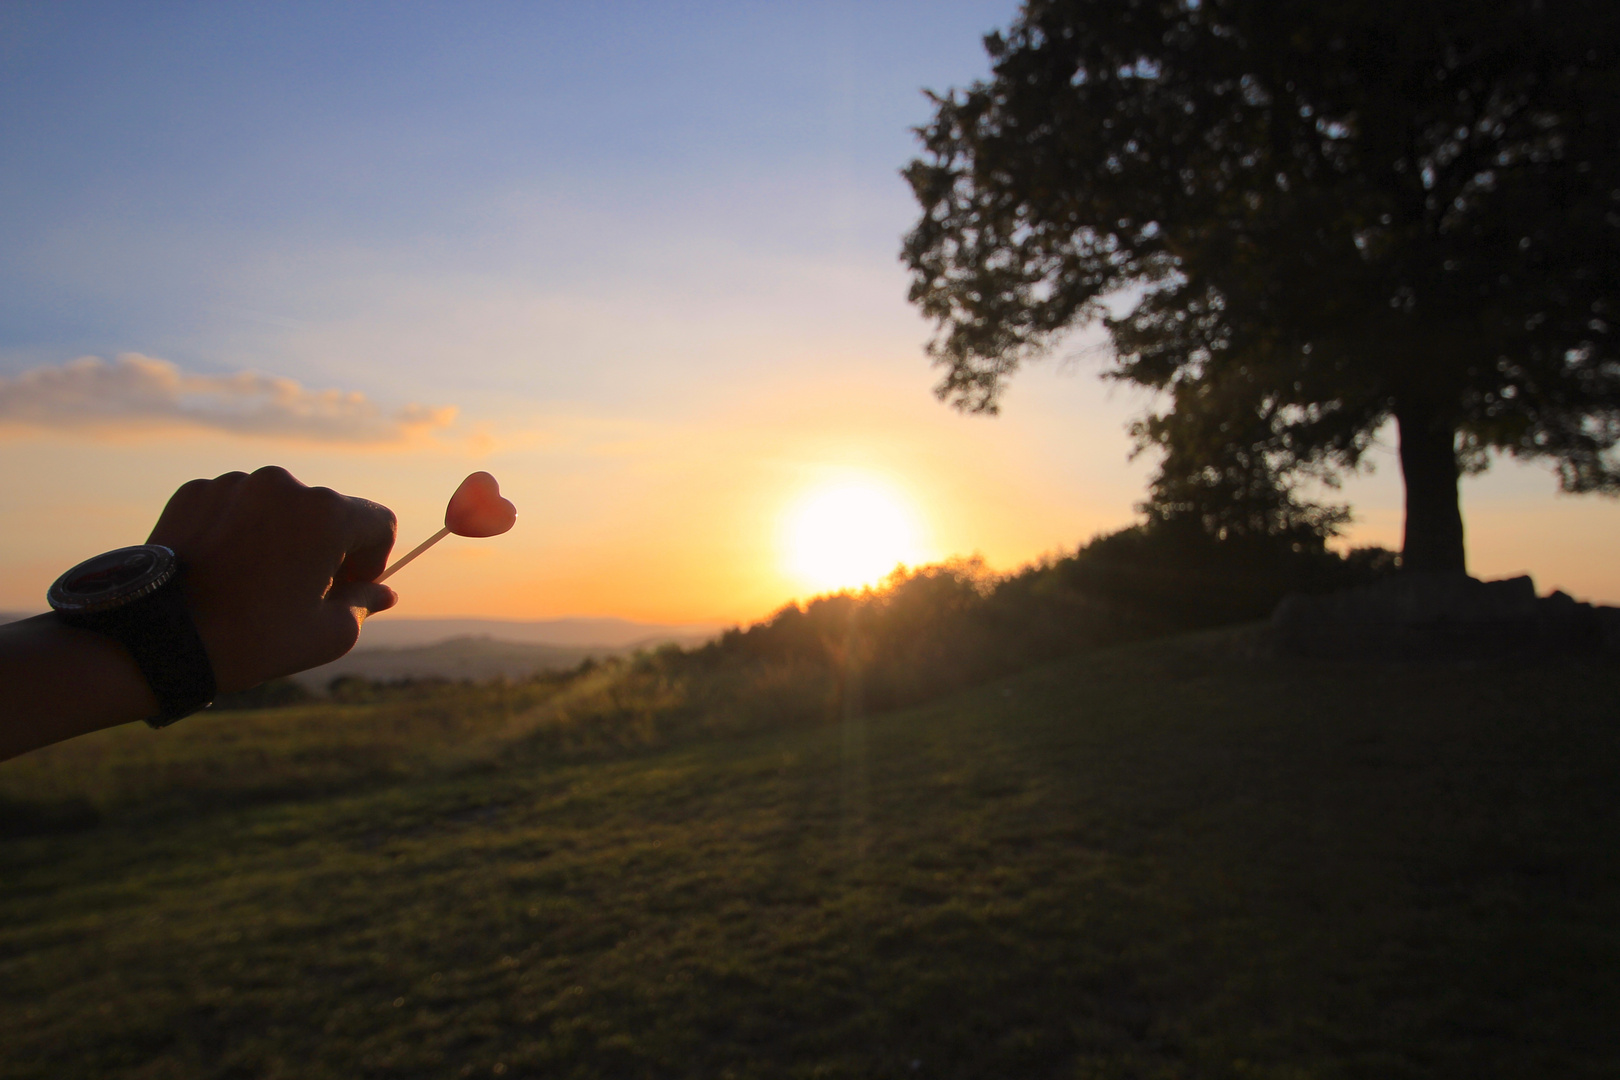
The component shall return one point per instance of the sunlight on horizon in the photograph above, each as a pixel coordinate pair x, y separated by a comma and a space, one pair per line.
849, 534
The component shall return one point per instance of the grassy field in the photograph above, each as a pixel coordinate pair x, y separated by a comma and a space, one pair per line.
1159, 861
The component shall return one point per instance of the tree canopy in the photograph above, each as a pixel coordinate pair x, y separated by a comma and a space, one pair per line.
1297, 221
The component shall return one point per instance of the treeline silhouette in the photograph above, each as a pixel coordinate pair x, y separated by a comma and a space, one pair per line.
941, 628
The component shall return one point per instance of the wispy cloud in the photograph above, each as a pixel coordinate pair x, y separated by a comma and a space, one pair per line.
142, 393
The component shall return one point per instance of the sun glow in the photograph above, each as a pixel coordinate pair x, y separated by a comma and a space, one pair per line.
848, 535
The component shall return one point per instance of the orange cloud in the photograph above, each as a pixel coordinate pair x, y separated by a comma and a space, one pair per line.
136, 393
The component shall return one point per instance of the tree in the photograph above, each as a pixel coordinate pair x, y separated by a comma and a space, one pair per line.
1297, 220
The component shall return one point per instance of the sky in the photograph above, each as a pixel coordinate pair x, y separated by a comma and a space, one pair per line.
637, 260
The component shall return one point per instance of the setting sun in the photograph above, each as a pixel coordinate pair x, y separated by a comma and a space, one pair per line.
849, 535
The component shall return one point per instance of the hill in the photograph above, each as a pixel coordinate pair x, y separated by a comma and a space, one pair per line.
493, 648
1160, 860
390, 631
476, 658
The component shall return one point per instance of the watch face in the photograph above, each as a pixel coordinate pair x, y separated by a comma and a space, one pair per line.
113, 579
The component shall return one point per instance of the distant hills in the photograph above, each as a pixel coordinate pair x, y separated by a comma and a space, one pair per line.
475, 658
387, 631
490, 648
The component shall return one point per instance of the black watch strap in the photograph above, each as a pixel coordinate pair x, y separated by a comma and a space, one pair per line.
158, 632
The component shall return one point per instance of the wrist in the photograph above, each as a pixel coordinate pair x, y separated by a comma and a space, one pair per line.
136, 596
63, 681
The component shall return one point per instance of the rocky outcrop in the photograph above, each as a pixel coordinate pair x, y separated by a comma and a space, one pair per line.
1426, 617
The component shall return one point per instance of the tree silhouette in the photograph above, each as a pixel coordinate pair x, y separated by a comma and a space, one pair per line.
1297, 220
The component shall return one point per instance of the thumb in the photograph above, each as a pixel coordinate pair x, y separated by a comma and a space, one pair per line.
369, 597
341, 615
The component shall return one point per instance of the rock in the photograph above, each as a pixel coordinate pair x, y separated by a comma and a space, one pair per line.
1453, 617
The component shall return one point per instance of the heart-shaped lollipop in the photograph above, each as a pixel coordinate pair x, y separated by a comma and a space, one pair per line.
476, 509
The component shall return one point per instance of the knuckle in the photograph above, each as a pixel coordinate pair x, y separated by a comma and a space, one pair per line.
331, 507
384, 514
327, 499
190, 491
187, 507
274, 476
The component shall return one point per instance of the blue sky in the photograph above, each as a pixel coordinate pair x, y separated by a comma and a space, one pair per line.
193, 181
645, 254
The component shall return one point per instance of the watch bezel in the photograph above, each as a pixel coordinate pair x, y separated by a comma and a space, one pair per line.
64, 598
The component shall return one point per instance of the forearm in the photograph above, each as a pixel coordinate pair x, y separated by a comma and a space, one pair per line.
57, 681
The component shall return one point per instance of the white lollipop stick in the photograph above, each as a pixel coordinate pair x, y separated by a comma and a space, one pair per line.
414, 552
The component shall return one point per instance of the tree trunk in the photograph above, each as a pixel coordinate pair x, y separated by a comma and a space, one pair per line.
1434, 529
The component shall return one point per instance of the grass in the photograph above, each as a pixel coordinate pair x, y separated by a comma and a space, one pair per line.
1159, 861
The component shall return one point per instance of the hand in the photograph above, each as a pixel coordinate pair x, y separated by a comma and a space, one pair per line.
279, 576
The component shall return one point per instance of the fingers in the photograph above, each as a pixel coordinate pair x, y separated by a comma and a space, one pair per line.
357, 533
362, 596
370, 530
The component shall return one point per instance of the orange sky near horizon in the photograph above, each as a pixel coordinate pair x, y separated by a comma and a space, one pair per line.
691, 519
667, 520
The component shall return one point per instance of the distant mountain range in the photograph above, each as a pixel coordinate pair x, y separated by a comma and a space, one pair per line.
387, 631
393, 648
476, 658
491, 648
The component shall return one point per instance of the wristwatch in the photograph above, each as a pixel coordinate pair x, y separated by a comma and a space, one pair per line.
135, 595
